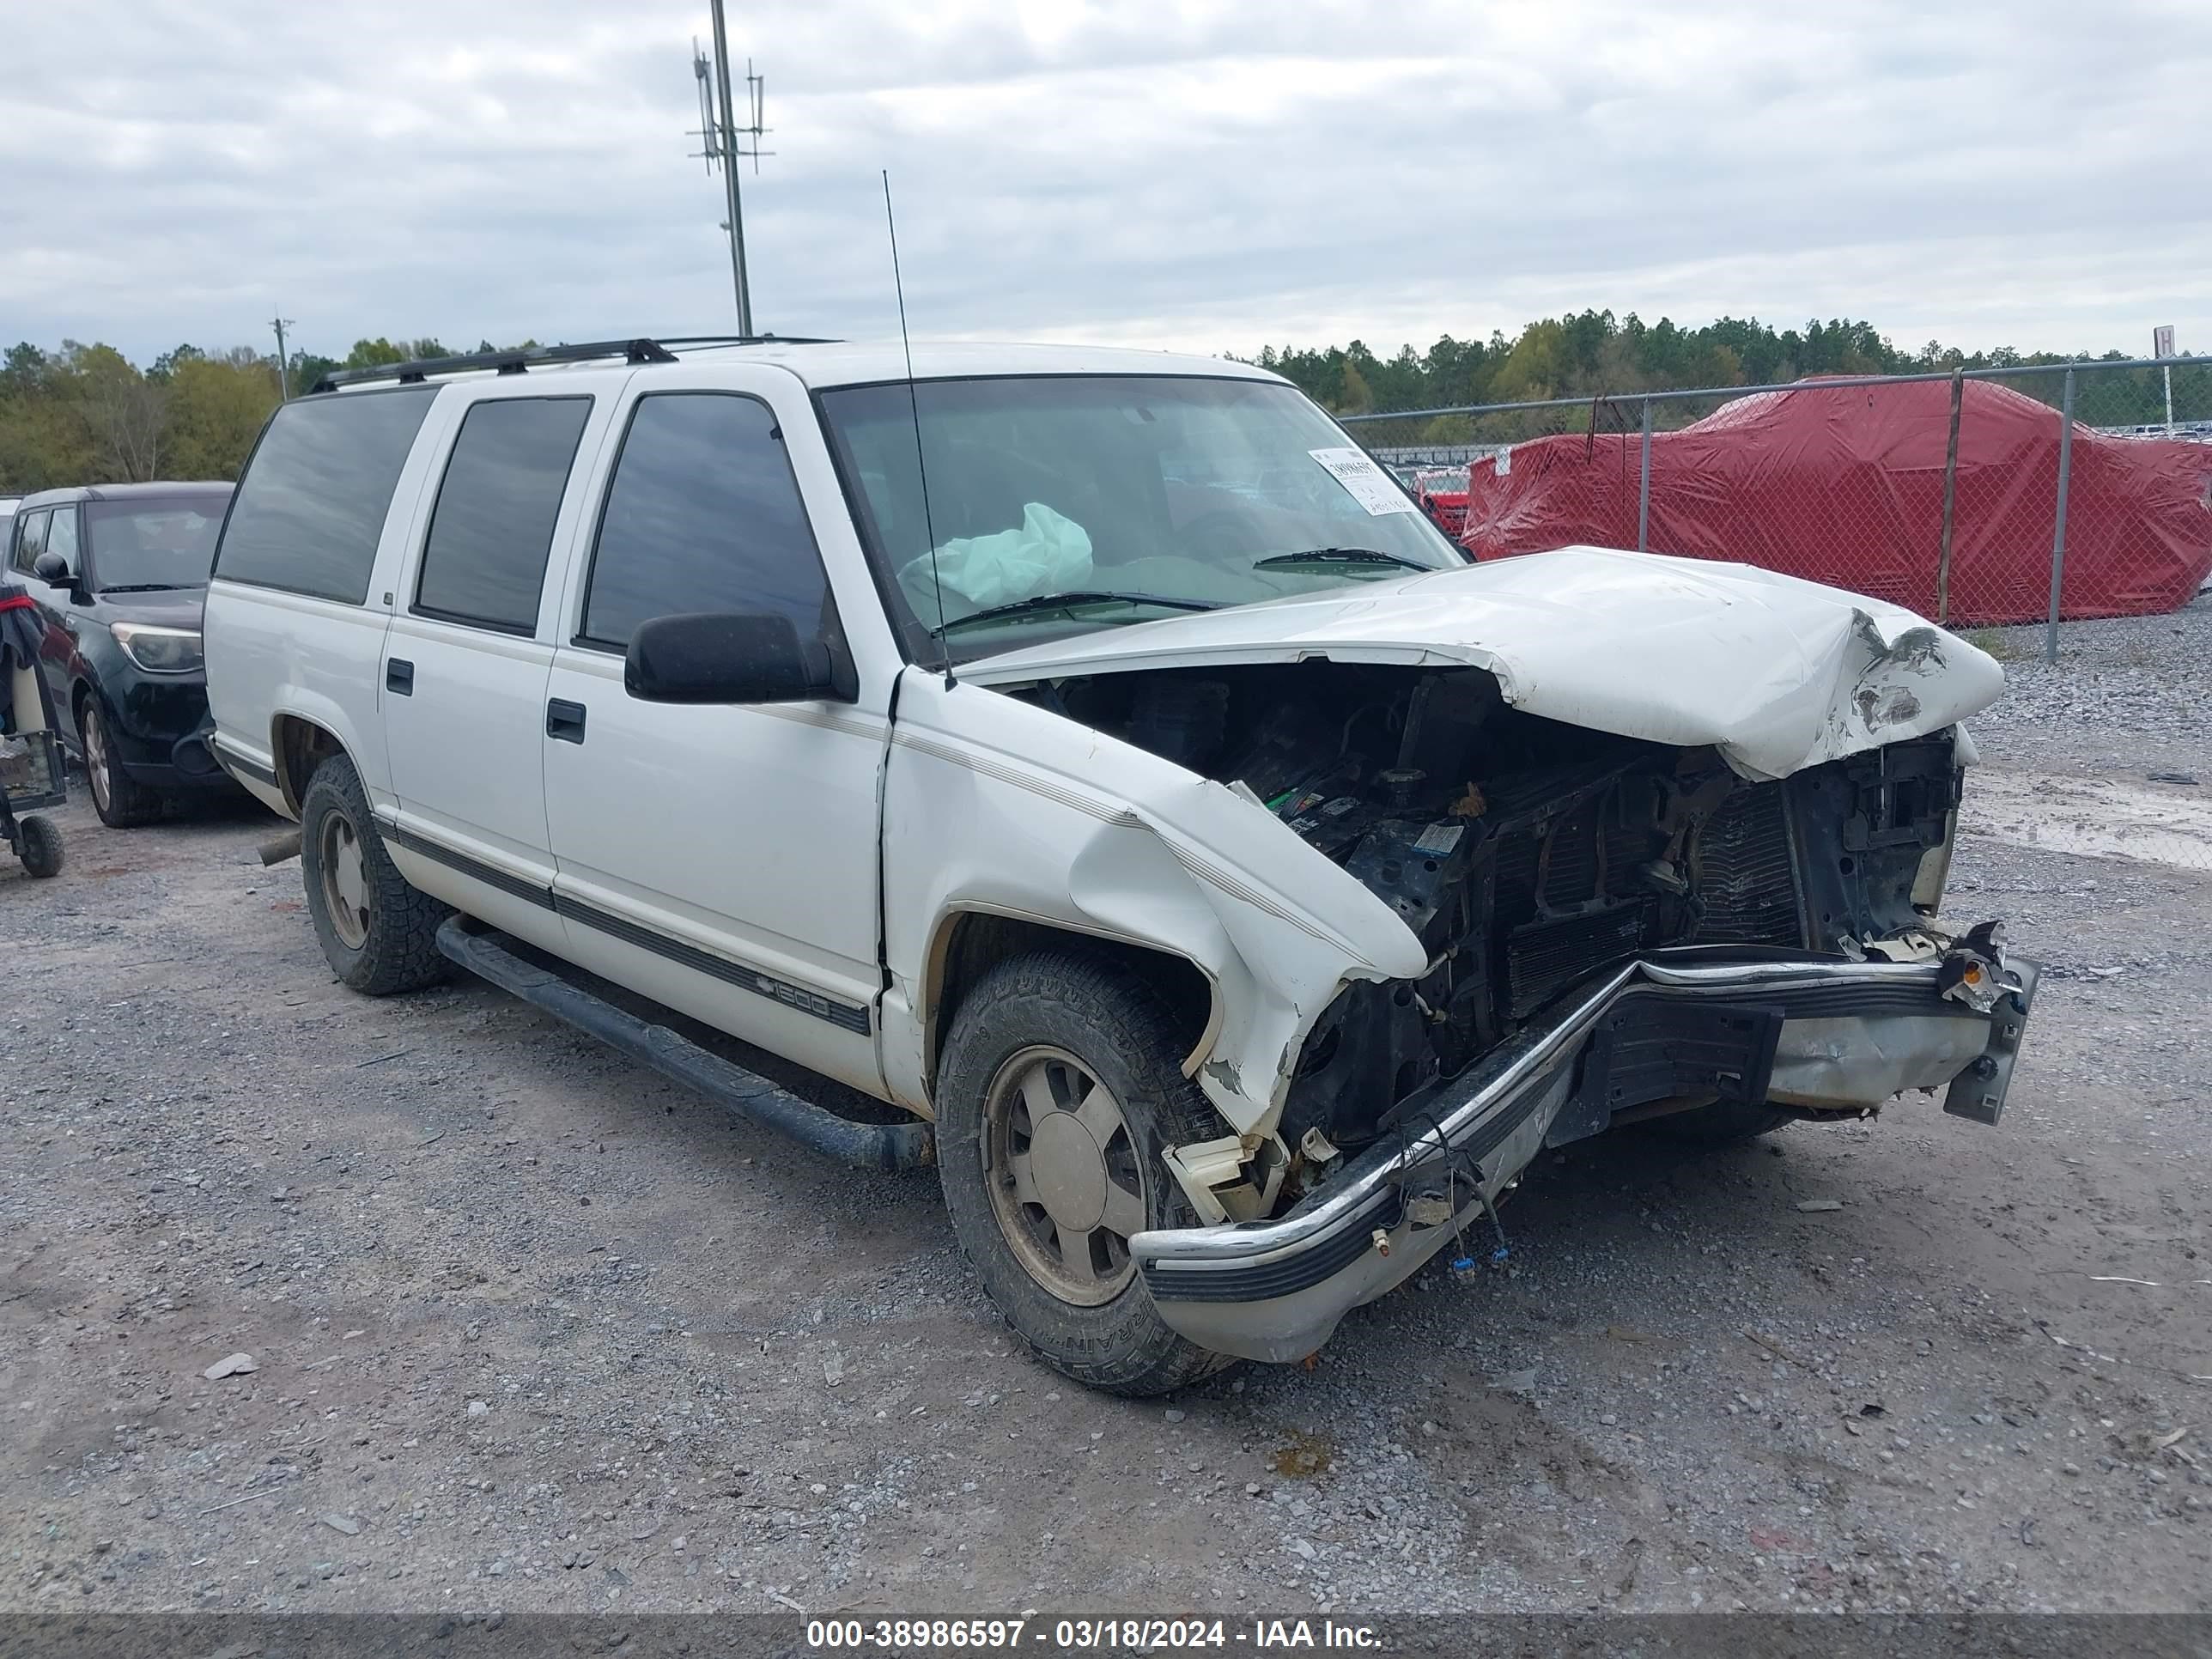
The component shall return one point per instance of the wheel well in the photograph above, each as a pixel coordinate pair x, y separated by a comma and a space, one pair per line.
299, 747
82, 696
973, 942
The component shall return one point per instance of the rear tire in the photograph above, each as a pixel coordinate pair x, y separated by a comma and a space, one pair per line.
121, 803
1060, 1091
378, 934
1724, 1123
39, 844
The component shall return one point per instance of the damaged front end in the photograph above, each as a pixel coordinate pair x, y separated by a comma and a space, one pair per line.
1706, 1023
1613, 928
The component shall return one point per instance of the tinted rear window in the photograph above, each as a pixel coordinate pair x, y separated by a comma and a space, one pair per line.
492, 525
311, 507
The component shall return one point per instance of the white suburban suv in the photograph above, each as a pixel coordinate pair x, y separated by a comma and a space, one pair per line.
1097, 756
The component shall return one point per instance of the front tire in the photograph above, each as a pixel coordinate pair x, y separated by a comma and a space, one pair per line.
378, 934
1059, 1093
122, 803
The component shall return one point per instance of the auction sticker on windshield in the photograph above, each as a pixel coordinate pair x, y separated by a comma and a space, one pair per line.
1368, 483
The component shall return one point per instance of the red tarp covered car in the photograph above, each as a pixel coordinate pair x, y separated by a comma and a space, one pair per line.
1844, 485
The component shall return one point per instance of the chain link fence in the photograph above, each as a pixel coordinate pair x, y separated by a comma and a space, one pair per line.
1980, 497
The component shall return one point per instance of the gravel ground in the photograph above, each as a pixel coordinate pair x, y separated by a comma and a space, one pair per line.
2127, 697
533, 1330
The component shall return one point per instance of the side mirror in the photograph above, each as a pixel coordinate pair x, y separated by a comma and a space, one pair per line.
52, 568
725, 658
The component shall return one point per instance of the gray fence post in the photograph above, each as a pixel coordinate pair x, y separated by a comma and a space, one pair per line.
1644, 487
2058, 529
1950, 501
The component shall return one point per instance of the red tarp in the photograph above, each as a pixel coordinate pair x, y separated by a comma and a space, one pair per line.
1844, 485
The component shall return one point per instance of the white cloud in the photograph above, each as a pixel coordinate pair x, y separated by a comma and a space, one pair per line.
1214, 176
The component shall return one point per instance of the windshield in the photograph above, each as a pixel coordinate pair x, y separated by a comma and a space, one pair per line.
1143, 495
144, 544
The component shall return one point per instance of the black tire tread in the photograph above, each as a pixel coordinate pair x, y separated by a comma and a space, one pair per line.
401, 953
1136, 1028
39, 845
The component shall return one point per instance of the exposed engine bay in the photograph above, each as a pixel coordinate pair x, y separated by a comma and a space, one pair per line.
1524, 852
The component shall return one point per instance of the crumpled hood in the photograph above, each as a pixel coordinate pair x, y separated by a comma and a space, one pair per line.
1777, 674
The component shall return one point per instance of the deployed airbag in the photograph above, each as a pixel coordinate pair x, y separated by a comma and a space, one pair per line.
1048, 553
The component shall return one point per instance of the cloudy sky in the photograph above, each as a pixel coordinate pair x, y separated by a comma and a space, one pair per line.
1213, 175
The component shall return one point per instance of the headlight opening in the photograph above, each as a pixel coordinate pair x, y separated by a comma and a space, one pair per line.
159, 650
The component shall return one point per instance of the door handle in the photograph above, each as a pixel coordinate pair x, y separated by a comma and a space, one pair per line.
399, 676
564, 721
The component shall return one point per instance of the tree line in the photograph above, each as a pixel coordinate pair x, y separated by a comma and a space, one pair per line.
86, 414
1596, 354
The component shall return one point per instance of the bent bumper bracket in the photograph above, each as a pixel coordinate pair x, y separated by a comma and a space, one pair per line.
1978, 1092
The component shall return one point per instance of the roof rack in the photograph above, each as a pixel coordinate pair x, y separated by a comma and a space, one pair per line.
743, 339
518, 360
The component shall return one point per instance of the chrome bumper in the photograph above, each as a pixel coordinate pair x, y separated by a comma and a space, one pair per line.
1816, 1033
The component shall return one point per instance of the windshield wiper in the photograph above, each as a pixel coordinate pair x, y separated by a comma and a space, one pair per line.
1338, 555
1037, 602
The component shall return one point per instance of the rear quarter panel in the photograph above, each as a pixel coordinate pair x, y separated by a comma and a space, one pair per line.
271, 653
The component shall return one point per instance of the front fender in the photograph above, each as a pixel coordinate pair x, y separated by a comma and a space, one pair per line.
993, 803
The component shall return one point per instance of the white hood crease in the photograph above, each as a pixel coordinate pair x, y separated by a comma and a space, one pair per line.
1776, 673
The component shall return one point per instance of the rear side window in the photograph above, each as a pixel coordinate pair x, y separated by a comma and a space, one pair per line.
30, 539
492, 527
311, 507
704, 514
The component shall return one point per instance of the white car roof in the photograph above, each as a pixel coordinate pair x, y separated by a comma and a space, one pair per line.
825, 363
859, 363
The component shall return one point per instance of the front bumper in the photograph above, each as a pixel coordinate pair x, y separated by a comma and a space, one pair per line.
1816, 1033
157, 729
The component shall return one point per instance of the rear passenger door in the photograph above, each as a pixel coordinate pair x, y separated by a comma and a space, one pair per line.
56, 610
721, 860
466, 656
52, 530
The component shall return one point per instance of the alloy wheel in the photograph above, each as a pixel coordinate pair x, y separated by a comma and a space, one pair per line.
95, 758
1065, 1179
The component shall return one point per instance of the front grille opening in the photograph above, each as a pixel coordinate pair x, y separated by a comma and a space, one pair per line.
1744, 874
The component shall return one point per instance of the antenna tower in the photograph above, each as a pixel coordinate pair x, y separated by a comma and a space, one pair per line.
722, 146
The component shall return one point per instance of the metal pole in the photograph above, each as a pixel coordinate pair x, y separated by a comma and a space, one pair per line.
1950, 499
2168, 372
2058, 530
729, 148
1644, 487
283, 371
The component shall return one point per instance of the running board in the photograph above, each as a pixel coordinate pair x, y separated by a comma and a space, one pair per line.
870, 1146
